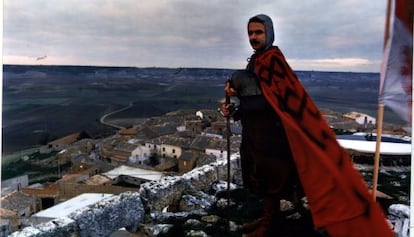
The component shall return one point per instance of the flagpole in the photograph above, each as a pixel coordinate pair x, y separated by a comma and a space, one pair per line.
380, 119
412, 152
380, 116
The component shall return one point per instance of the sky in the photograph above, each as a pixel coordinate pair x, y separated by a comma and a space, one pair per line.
335, 35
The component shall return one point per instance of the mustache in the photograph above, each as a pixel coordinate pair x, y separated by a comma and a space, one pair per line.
253, 41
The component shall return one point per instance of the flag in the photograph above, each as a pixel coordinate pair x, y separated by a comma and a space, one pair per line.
397, 64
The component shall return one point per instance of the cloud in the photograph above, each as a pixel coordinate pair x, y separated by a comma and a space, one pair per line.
185, 32
336, 64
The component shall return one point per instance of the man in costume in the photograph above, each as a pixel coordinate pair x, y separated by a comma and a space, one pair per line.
286, 143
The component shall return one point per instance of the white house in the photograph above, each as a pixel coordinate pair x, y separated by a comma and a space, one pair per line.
199, 114
210, 146
168, 150
360, 118
14, 184
140, 155
365, 119
217, 152
154, 146
169, 146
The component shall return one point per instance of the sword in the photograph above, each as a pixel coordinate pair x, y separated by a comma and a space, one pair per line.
228, 134
229, 114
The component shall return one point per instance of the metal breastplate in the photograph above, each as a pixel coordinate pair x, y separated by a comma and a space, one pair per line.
245, 83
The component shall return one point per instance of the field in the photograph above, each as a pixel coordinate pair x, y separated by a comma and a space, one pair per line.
45, 102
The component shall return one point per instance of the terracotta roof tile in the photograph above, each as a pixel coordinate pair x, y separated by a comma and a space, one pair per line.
51, 190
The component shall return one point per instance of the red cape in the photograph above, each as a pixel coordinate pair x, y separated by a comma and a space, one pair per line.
338, 197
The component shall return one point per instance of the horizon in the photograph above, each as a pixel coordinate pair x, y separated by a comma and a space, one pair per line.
165, 67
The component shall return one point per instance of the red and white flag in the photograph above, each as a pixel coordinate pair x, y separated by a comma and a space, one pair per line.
397, 64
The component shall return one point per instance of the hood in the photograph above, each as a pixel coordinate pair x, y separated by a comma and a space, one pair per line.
267, 22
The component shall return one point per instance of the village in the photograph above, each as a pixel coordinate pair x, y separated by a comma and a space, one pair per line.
156, 147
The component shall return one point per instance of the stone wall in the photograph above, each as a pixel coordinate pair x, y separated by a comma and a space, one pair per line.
128, 209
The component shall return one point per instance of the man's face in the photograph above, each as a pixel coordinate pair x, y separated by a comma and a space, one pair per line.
257, 35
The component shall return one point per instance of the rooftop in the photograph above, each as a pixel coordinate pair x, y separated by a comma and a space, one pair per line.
133, 172
65, 208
